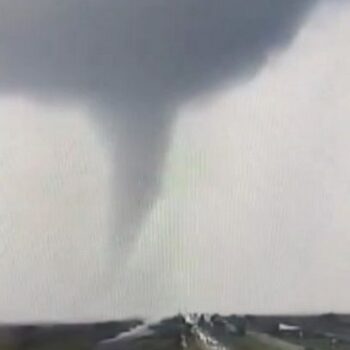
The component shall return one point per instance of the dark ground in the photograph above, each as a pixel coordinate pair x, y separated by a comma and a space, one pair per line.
329, 331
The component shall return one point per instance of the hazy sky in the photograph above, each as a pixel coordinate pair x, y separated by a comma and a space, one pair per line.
252, 215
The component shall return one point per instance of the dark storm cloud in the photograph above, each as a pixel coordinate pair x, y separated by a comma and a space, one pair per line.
138, 59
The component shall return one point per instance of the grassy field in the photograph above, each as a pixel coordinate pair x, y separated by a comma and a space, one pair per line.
252, 341
256, 342
249, 343
239, 343
242, 343
318, 344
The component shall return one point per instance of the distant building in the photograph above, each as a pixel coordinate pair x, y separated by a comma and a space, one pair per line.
290, 330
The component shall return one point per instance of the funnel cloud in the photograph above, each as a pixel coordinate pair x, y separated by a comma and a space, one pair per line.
133, 62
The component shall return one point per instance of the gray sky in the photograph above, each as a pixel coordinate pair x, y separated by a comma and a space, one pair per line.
251, 214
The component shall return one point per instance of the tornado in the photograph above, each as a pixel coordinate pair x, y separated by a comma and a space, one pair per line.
136, 62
